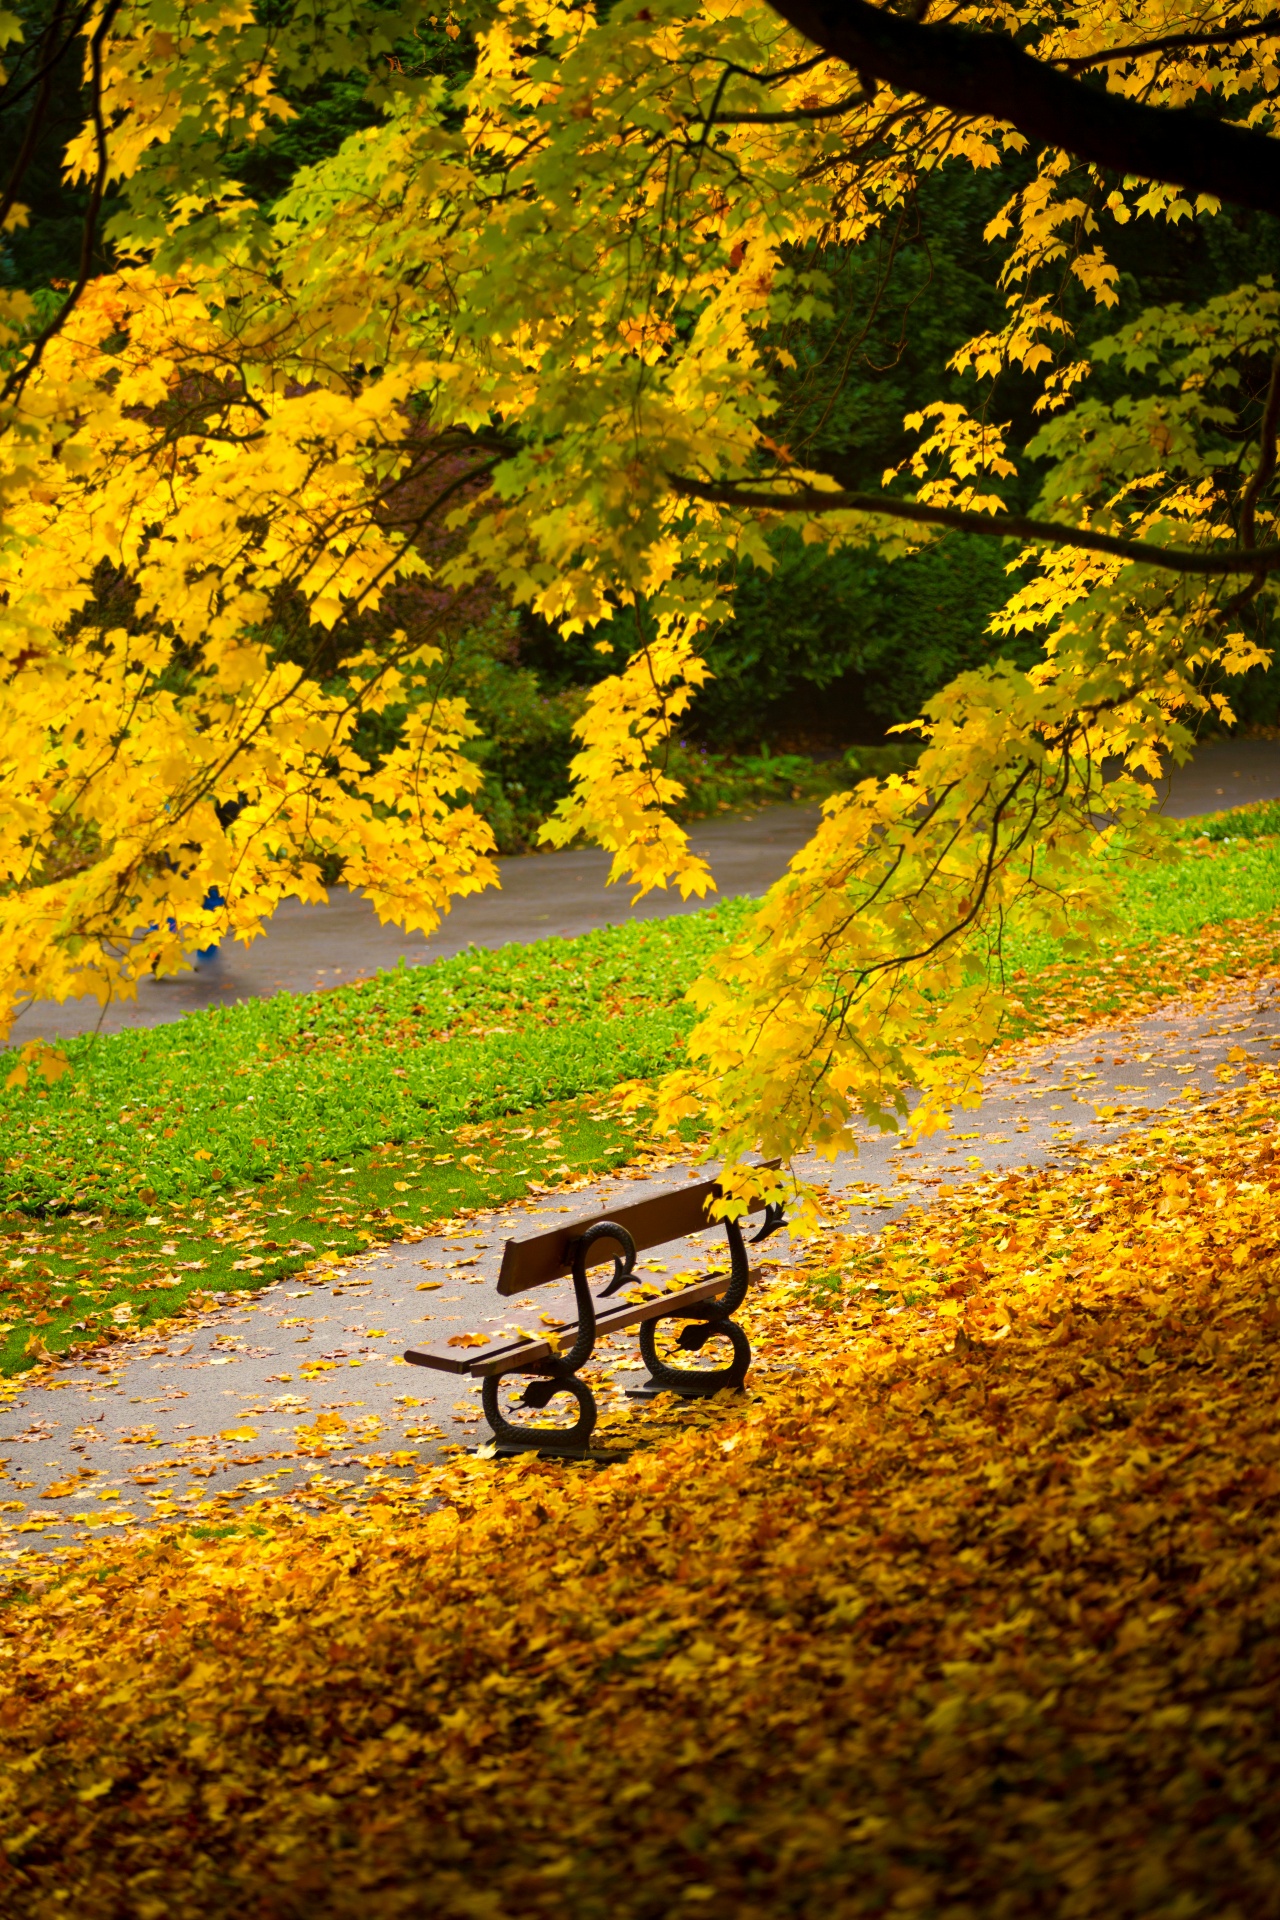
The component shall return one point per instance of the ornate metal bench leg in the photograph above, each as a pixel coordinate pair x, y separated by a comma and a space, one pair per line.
708, 1318
561, 1375
693, 1385
539, 1393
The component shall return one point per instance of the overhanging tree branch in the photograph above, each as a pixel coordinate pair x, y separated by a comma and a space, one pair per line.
988, 74
1003, 526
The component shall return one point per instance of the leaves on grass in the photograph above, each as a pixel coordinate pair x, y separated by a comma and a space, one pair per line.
240, 1239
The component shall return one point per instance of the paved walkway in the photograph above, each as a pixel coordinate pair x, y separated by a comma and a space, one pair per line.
307, 947
302, 1388
541, 894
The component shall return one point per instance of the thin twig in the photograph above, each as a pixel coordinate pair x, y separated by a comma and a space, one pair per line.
18, 379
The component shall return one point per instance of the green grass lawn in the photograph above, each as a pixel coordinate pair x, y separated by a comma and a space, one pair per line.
231, 1097
73, 1279
238, 1145
1214, 879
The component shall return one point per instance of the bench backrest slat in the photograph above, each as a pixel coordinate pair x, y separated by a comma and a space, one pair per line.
667, 1216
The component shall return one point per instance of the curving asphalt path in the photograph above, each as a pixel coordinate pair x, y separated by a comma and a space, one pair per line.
541, 894
308, 947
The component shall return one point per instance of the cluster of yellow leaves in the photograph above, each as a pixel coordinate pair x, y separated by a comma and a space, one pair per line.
140, 464
870, 967
621, 797
119, 758
966, 1612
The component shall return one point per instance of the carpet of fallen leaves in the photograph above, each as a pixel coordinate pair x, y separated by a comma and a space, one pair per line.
1147, 976
971, 1609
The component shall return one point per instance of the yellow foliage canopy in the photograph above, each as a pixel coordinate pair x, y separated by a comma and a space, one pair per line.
556, 298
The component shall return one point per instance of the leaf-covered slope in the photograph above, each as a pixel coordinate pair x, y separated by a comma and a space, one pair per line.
942, 1622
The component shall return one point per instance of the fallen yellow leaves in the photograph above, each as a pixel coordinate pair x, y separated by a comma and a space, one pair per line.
1178, 969
971, 1609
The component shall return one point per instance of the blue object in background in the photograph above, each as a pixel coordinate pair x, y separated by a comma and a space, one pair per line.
212, 899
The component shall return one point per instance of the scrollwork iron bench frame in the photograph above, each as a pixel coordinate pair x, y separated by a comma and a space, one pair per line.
555, 1363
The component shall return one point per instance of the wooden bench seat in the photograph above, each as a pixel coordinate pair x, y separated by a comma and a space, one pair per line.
554, 1360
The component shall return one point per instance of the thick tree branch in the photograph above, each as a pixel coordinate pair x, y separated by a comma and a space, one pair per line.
988, 74
1009, 526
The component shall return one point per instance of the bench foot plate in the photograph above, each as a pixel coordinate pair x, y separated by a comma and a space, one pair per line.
592, 1456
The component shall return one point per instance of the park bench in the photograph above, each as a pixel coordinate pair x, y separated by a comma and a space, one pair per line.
555, 1360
